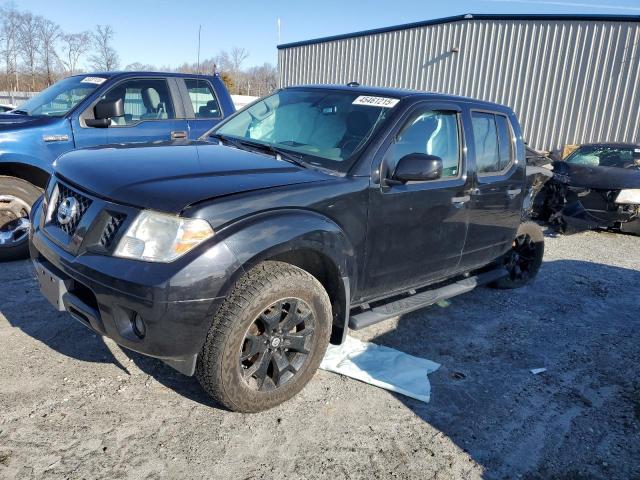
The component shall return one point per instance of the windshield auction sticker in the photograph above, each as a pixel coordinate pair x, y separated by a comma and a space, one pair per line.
94, 80
383, 102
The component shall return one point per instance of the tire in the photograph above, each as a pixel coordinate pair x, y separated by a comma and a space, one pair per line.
515, 260
240, 318
15, 194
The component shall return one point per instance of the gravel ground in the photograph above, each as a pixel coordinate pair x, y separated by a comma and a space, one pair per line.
75, 406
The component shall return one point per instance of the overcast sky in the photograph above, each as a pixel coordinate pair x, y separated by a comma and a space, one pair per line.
165, 32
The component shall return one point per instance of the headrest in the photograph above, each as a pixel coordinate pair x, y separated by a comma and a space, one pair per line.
151, 98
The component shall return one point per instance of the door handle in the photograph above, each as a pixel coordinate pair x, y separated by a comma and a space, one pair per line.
178, 134
460, 201
513, 193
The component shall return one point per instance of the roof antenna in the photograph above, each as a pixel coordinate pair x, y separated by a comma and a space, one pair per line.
199, 30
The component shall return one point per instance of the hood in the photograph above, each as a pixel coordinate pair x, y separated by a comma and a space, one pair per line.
11, 121
171, 176
599, 178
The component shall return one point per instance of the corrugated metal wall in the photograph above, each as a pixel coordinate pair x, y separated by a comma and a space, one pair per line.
568, 81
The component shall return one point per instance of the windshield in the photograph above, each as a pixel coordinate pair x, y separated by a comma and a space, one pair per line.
602, 156
60, 97
325, 127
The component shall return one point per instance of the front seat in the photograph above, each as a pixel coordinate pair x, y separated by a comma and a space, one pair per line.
155, 107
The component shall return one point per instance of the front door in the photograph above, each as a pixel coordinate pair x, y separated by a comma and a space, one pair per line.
152, 112
496, 200
416, 231
149, 113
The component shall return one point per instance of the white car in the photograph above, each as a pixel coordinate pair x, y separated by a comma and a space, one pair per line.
5, 107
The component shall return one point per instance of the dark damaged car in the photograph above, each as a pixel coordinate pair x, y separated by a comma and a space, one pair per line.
313, 211
596, 187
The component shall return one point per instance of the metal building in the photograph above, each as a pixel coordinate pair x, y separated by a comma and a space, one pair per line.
570, 78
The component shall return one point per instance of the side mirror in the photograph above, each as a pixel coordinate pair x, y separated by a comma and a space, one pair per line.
104, 111
418, 167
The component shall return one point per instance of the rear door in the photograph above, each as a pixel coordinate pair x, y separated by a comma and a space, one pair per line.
416, 231
202, 106
498, 186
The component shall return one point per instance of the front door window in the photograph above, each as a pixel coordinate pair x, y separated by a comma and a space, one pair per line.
144, 100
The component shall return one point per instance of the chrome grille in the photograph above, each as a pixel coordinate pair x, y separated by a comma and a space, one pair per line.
111, 229
83, 203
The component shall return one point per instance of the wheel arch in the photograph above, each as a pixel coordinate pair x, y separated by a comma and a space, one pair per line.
25, 171
306, 240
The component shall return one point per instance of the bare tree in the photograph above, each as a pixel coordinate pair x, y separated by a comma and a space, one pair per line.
9, 27
237, 57
223, 61
49, 33
140, 67
74, 46
105, 57
261, 80
29, 43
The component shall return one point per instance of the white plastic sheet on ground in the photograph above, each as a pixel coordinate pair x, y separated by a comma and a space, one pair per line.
383, 367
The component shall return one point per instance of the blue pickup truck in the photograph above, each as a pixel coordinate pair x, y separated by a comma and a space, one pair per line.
89, 110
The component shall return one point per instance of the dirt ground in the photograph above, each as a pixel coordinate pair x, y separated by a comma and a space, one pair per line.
74, 406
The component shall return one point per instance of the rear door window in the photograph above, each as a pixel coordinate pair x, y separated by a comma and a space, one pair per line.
203, 99
493, 142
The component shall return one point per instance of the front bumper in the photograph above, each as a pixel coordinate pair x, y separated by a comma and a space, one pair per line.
176, 301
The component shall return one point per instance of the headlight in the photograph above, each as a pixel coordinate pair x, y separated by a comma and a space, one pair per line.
629, 196
160, 237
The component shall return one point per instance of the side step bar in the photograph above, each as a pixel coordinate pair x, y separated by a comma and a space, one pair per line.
422, 299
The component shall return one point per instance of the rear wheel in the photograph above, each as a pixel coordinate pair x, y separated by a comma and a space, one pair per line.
525, 257
267, 339
16, 198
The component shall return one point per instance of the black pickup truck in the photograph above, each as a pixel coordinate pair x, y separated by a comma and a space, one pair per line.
240, 256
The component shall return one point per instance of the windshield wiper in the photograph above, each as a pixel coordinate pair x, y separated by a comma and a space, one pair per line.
19, 112
225, 139
279, 153
275, 151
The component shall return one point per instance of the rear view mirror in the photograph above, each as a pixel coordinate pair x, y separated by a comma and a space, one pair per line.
104, 111
418, 167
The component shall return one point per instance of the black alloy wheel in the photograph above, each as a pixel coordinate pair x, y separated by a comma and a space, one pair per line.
521, 259
267, 338
524, 259
277, 344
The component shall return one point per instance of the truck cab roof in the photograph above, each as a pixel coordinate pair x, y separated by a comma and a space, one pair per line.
402, 93
143, 73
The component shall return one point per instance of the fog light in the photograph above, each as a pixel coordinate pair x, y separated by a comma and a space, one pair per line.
139, 327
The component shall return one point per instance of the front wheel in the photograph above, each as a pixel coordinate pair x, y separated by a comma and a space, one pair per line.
525, 257
16, 198
267, 339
